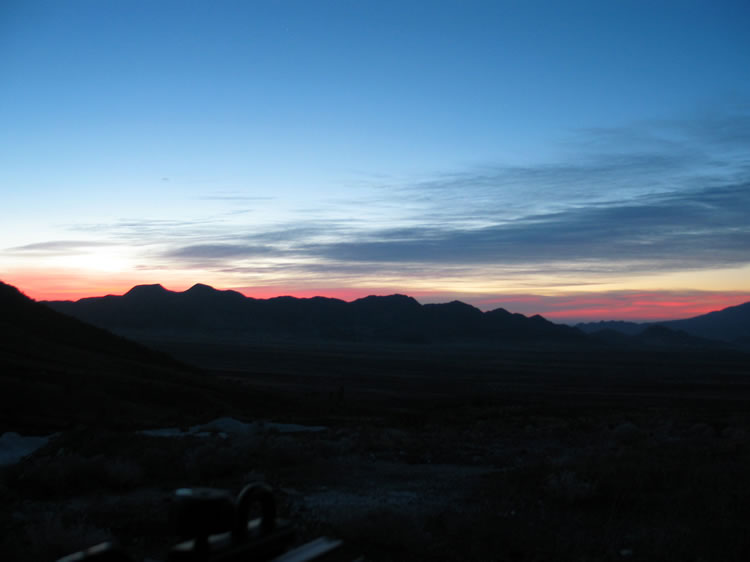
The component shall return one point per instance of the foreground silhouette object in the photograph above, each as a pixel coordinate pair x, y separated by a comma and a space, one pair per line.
215, 527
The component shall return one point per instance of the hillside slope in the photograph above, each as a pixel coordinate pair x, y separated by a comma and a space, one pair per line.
57, 372
730, 324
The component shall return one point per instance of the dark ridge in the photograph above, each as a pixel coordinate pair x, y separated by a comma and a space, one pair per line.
200, 288
628, 328
658, 338
392, 301
24, 315
57, 372
202, 311
662, 336
730, 324
147, 291
499, 312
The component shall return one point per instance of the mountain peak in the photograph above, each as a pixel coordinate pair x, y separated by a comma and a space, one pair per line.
460, 304
147, 290
200, 288
392, 299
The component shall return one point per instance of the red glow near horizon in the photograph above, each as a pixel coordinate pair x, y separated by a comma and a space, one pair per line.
66, 287
633, 306
624, 305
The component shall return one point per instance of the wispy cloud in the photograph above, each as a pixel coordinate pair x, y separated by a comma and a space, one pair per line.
234, 197
218, 251
650, 197
700, 228
653, 197
57, 247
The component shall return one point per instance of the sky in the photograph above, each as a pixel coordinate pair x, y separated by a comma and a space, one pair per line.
579, 160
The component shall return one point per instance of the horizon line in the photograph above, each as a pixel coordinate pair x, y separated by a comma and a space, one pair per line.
571, 309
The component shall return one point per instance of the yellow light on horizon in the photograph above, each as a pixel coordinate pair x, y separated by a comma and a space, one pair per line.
106, 260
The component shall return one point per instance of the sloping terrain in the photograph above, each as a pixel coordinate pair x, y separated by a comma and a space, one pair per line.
57, 372
731, 324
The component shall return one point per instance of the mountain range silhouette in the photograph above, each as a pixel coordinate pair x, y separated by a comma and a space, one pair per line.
63, 362
201, 309
148, 311
730, 324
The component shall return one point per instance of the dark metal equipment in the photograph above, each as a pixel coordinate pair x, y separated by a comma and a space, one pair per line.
218, 528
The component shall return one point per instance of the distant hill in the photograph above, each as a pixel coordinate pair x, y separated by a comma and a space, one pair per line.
151, 310
655, 338
619, 326
57, 372
730, 325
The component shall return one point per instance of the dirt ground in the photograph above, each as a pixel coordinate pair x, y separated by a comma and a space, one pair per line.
428, 455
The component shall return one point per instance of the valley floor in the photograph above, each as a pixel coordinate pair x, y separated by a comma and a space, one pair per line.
427, 454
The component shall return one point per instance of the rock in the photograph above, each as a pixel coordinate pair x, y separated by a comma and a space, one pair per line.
700, 430
13, 447
627, 433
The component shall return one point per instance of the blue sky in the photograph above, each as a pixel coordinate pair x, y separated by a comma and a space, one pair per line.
488, 151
